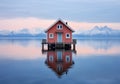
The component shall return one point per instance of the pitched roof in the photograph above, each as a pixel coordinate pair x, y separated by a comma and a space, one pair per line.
61, 22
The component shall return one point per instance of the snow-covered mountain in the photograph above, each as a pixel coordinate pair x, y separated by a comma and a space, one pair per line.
100, 31
4, 32
22, 33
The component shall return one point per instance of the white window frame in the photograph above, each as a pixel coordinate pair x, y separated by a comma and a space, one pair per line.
50, 35
66, 35
59, 26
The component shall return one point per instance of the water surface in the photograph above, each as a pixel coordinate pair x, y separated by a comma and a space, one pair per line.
95, 62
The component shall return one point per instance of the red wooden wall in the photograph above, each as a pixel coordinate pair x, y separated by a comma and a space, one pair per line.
64, 30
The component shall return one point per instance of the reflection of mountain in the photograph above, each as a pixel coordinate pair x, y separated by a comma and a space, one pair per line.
105, 44
59, 61
99, 32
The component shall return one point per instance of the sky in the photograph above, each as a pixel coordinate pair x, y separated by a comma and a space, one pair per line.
80, 14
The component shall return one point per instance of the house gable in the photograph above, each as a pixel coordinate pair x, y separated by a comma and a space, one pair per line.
55, 26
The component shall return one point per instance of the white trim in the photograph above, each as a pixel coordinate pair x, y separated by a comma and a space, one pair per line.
50, 35
68, 34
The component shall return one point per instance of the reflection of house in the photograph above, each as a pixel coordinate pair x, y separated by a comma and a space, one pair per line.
59, 61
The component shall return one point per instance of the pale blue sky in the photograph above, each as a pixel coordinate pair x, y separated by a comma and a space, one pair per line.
74, 10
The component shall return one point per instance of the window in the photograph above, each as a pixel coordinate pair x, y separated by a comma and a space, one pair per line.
67, 58
59, 26
51, 35
59, 67
67, 35
51, 58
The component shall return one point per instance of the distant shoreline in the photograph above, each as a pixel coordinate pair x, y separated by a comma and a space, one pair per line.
89, 38
20, 38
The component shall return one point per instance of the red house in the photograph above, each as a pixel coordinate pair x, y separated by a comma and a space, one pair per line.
59, 61
59, 35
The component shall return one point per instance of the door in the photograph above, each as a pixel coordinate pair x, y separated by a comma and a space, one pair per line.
59, 37
59, 56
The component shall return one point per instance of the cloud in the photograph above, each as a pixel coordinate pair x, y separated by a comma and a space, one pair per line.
19, 23
76, 10
33, 23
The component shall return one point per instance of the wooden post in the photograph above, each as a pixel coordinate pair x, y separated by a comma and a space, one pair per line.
73, 46
42, 46
49, 46
74, 42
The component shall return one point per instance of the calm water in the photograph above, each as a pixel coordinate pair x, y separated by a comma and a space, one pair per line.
95, 62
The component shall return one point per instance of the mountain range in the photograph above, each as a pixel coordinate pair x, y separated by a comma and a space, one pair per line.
22, 33
101, 32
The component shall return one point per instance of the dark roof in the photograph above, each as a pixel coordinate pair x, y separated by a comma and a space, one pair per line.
61, 22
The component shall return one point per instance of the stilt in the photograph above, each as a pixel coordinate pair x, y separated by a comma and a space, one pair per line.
48, 46
42, 46
73, 46
53, 46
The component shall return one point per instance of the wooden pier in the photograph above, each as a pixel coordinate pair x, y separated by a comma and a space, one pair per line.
58, 45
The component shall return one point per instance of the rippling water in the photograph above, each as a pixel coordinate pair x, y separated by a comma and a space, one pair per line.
95, 62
